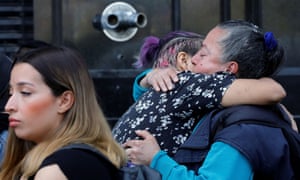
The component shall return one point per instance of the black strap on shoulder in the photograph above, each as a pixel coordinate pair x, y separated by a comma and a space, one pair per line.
93, 150
86, 147
137, 172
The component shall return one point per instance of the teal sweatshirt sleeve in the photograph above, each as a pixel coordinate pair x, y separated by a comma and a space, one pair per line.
137, 89
222, 162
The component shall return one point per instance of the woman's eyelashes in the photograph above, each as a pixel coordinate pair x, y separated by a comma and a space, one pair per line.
26, 93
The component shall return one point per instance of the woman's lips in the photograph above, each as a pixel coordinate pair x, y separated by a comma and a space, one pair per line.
13, 122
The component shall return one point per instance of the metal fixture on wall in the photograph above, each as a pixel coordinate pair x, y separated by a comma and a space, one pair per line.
120, 21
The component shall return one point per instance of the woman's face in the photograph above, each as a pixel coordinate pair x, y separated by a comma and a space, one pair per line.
33, 109
208, 59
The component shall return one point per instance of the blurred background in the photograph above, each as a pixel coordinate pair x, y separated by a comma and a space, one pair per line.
110, 33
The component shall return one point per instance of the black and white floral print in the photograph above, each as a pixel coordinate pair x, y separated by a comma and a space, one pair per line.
171, 116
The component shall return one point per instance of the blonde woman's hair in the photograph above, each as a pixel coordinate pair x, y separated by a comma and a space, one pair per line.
62, 70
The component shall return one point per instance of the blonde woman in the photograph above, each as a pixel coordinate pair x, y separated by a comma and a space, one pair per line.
53, 104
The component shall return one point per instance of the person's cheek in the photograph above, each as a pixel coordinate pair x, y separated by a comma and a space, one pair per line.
39, 106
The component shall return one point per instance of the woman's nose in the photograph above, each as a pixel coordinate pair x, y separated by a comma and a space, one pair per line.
195, 59
10, 106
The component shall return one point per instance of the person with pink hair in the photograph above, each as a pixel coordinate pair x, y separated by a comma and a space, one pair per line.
218, 149
171, 116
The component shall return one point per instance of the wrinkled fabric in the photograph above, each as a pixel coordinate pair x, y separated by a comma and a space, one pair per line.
171, 116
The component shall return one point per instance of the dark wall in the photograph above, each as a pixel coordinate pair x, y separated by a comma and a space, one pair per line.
114, 89
110, 62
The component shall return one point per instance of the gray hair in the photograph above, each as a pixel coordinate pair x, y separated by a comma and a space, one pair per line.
245, 44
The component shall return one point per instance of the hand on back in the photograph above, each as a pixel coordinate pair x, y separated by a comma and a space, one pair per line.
142, 151
160, 79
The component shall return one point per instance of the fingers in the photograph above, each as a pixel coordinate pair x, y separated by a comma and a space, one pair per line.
173, 74
163, 79
157, 80
142, 151
131, 143
130, 154
143, 134
164, 84
133, 151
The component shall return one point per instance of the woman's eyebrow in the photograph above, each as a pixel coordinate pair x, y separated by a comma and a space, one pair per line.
24, 83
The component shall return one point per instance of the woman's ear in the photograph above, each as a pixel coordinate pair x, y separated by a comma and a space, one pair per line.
182, 61
66, 101
232, 66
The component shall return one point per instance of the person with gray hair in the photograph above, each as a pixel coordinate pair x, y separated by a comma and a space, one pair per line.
171, 116
240, 151
257, 54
